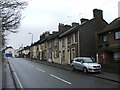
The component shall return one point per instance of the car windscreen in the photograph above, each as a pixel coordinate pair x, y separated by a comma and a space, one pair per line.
88, 60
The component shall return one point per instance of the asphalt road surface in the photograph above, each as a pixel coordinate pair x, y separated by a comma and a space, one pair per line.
35, 75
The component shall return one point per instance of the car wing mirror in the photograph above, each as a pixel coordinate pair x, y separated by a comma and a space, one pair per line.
81, 61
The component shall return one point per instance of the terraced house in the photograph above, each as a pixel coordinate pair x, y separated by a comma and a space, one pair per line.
80, 40
68, 44
54, 45
109, 43
70, 41
53, 50
42, 47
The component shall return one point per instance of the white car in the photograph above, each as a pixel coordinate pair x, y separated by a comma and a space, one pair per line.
85, 64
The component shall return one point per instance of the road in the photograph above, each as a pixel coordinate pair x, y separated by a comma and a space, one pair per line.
35, 75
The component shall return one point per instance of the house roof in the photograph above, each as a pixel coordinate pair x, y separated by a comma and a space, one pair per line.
42, 40
27, 47
50, 37
112, 26
75, 28
35, 43
68, 31
56, 34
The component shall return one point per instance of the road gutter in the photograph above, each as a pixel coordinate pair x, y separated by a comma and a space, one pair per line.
16, 80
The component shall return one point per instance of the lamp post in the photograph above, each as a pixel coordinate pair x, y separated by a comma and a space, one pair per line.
32, 38
30, 47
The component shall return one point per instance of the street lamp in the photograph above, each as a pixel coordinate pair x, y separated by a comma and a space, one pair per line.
31, 44
32, 38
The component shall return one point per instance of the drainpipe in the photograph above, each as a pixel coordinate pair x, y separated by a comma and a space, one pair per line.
97, 57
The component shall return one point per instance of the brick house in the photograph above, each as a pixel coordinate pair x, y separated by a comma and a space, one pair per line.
88, 33
80, 40
109, 43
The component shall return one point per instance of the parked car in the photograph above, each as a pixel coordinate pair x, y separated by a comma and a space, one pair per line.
86, 64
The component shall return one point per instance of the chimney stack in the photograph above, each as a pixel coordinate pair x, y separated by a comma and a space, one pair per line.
75, 24
98, 14
83, 20
63, 28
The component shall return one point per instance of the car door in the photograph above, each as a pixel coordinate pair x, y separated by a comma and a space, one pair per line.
81, 64
76, 63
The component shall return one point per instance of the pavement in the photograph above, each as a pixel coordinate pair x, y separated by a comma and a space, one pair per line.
115, 77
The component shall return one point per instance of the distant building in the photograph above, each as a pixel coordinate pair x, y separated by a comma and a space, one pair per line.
9, 52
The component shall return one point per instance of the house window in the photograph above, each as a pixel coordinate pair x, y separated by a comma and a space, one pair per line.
116, 55
63, 55
73, 54
63, 42
69, 41
50, 45
76, 37
104, 38
73, 38
55, 54
117, 35
10, 52
55, 43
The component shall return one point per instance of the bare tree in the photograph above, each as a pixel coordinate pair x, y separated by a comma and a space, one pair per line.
10, 12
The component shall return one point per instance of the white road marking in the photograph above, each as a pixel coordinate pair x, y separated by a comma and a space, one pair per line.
36, 68
60, 79
31, 65
40, 69
21, 86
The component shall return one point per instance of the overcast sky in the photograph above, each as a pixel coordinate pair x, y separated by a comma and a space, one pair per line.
45, 15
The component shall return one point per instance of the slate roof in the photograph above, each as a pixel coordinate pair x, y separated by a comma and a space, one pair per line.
112, 26
75, 28
68, 31
53, 36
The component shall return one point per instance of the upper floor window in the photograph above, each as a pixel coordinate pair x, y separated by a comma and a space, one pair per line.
104, 38
69, 40
63, 55
10, 51
117, 35
55, 42
73, 38
63, 42
55, 54
49, 45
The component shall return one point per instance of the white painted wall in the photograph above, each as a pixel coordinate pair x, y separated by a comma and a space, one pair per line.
10, 50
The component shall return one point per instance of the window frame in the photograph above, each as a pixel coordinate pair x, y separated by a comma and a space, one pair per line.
103, 38
118, 37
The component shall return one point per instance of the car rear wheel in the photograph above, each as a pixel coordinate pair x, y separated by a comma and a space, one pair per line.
73, 68
85, 70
